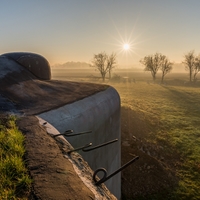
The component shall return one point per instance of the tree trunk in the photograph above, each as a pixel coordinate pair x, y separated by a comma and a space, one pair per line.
190, 75
162, 80
103, 77
154, 78
109, 74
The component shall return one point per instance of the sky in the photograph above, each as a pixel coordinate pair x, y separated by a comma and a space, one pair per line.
74, 30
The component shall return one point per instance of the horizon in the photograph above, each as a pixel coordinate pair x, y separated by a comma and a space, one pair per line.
62, 31
177, 67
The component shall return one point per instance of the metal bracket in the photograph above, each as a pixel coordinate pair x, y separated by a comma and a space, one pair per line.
105, 177
68, 133
80, 148
98, 146
84, 148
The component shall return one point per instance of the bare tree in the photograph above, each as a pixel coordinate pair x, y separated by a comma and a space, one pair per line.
189, 61
104, 63
196, 67
100, 63
166, 67
152, 63
111, 62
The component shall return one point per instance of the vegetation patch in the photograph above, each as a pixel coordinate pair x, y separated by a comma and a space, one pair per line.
165, 121
14, 179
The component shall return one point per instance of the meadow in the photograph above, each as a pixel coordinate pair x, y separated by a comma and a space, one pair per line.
169, 127
162, 122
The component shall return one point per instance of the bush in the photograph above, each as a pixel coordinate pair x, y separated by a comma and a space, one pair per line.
116, 78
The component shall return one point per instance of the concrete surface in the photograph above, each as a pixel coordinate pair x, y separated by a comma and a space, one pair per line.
99, 113
82, 169
35, 63
28, 95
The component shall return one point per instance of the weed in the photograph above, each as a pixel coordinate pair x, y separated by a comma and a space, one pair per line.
14, 179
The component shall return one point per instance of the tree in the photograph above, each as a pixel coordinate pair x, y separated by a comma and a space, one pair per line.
166, 67
152, 63
196, 67
190, 63
104, 63
111, 61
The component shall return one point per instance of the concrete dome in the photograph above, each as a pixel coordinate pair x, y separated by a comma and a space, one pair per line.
35, 63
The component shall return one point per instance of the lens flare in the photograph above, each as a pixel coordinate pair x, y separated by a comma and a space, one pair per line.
126, 46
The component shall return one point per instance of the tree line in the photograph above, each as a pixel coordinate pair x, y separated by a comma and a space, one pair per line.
105, 63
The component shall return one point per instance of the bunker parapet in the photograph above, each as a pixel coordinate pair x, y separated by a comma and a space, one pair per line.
27, 89
35, 63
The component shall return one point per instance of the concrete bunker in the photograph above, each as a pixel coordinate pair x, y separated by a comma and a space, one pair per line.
27, 89
35, 63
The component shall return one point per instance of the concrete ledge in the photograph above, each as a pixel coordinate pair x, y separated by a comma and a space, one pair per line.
99, 113
55, 174
80, 166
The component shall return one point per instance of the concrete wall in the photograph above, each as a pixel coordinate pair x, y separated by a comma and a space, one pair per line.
99, 113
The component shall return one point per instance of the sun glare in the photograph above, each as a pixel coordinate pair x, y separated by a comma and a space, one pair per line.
126, 46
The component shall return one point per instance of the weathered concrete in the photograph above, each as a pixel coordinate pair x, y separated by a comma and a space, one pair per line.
80, 166
28, 95
65, 105
8, 66
35, 63
99, 113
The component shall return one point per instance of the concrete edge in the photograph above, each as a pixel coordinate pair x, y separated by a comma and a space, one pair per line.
80, 166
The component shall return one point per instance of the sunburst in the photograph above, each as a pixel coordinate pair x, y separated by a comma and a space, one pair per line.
126, 47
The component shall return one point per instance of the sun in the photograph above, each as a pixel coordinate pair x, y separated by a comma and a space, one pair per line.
126, 46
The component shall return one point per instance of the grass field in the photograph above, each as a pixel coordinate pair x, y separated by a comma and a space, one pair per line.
169, 116
172, 115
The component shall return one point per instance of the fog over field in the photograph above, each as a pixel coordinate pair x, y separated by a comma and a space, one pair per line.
177, 67
84, 71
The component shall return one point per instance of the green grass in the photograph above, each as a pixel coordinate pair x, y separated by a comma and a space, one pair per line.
172, 114
14, 180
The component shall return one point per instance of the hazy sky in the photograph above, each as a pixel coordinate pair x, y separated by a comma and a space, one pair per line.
75, 30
